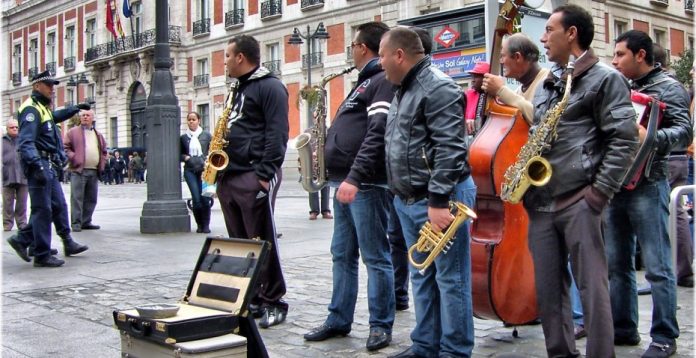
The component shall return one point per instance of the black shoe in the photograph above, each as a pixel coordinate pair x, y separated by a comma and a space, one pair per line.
72, 247
401, 306
272, 315
199, 230
378, 339
627, 341
205, 230
90, 227
408, 353
30, 252
645, 289
76, 228
325, 332
660, 350
20, 249
686, 282
50, 261
580, 332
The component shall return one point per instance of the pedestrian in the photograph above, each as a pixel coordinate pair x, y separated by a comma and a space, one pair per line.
257, 138
118, 166
40, 148
138, 167
427, 167
640, 215
473, 115
194, 151
129, 165
595, 143
107, 176
86, 151
14, 184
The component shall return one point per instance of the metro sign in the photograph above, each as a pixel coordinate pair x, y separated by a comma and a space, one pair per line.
447, 36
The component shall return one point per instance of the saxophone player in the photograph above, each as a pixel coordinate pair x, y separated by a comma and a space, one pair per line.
355, 162
257, 136
596, 142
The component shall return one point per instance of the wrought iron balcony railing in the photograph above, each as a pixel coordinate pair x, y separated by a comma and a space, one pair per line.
689, 6
313, 61
69, 63
16, 78
33, 71
127, 44
234, 18
51, 67
311, 4
200, 81
201, 27
273, 66
271, 9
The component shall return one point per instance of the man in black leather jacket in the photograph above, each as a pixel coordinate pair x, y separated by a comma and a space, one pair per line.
426, 168
596, 142
641, 214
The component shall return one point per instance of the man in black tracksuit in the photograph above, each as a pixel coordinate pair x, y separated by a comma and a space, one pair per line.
355, 163
257, 137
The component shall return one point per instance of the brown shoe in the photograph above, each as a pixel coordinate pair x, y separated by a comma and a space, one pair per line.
313, 216
326, 215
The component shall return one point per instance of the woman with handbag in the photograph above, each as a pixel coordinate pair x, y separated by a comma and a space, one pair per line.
194, 149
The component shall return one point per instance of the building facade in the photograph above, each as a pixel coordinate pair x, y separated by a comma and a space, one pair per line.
70, 38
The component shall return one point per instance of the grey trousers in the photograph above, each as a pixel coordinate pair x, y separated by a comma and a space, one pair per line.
553, 237
678, 171
14, 205
83, 196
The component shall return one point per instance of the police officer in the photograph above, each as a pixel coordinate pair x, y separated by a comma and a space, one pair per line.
40, 149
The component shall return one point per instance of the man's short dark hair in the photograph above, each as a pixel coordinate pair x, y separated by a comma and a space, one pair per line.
638, 40
425, 38
521, 43
406, 40
370, 33
248, 46
660, 55
574, 15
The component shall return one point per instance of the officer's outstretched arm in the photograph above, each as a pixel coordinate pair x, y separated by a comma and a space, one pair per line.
29, 124
61, 115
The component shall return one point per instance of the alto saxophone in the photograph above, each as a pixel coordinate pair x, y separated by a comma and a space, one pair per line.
312, 168
217, 158
436, 243
531, 168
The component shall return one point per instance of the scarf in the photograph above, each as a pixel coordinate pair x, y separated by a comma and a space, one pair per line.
195, 148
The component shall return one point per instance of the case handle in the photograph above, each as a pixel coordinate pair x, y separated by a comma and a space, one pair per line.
139, 329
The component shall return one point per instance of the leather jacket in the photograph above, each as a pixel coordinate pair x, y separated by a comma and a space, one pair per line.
426, 150
675, 132
597, 136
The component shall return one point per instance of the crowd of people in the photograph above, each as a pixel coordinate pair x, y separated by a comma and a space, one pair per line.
396, 155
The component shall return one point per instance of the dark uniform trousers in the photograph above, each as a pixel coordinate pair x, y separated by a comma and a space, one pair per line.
46, 201
248, 212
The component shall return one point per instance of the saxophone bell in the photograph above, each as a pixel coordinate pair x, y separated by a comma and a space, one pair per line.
436, 243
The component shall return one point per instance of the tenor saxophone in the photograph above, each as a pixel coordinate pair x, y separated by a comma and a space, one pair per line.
312, 168
530, 168
436, 243
217, 158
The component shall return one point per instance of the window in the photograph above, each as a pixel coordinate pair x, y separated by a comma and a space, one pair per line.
137, 17
113, 121
238, 4
34, 55
91, 31
70, 41
91, 93
203, 9
690, 43
17, 56
51, 47
69, 96
201, 79
659, 37
273, 52
619, 28
471, 33
202, 66
204, 111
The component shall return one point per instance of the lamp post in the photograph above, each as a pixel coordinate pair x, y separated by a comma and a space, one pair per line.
296, 39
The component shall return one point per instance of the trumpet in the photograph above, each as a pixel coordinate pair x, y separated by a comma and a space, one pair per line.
441, 242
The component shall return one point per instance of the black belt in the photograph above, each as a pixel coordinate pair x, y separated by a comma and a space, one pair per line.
44, 154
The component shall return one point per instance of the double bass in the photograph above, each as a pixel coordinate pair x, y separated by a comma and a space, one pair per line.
502, 269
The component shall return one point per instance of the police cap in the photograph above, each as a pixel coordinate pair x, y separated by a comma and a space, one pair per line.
45, 77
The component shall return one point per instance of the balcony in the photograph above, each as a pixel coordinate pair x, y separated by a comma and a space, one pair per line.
51, 67
689, 6
273, 66
660, 2
271, 9
33, 71
69, 63
129, 45
16, 78
200, 81
201, 27
306, 5
313, 61
234, 18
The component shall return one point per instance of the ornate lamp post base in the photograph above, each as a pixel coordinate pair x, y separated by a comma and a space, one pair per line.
162, 216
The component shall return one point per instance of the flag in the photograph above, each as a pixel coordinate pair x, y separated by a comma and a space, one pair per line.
126, 9
119, 28
110, 19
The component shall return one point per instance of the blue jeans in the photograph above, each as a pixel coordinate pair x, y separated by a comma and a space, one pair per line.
360, 229
442, 295
195, 185
641, 214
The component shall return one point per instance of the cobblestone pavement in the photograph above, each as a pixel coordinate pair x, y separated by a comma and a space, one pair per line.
66, 312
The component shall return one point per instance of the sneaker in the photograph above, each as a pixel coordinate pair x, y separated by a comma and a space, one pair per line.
50, 261
272, 315
659, 350
20, 249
